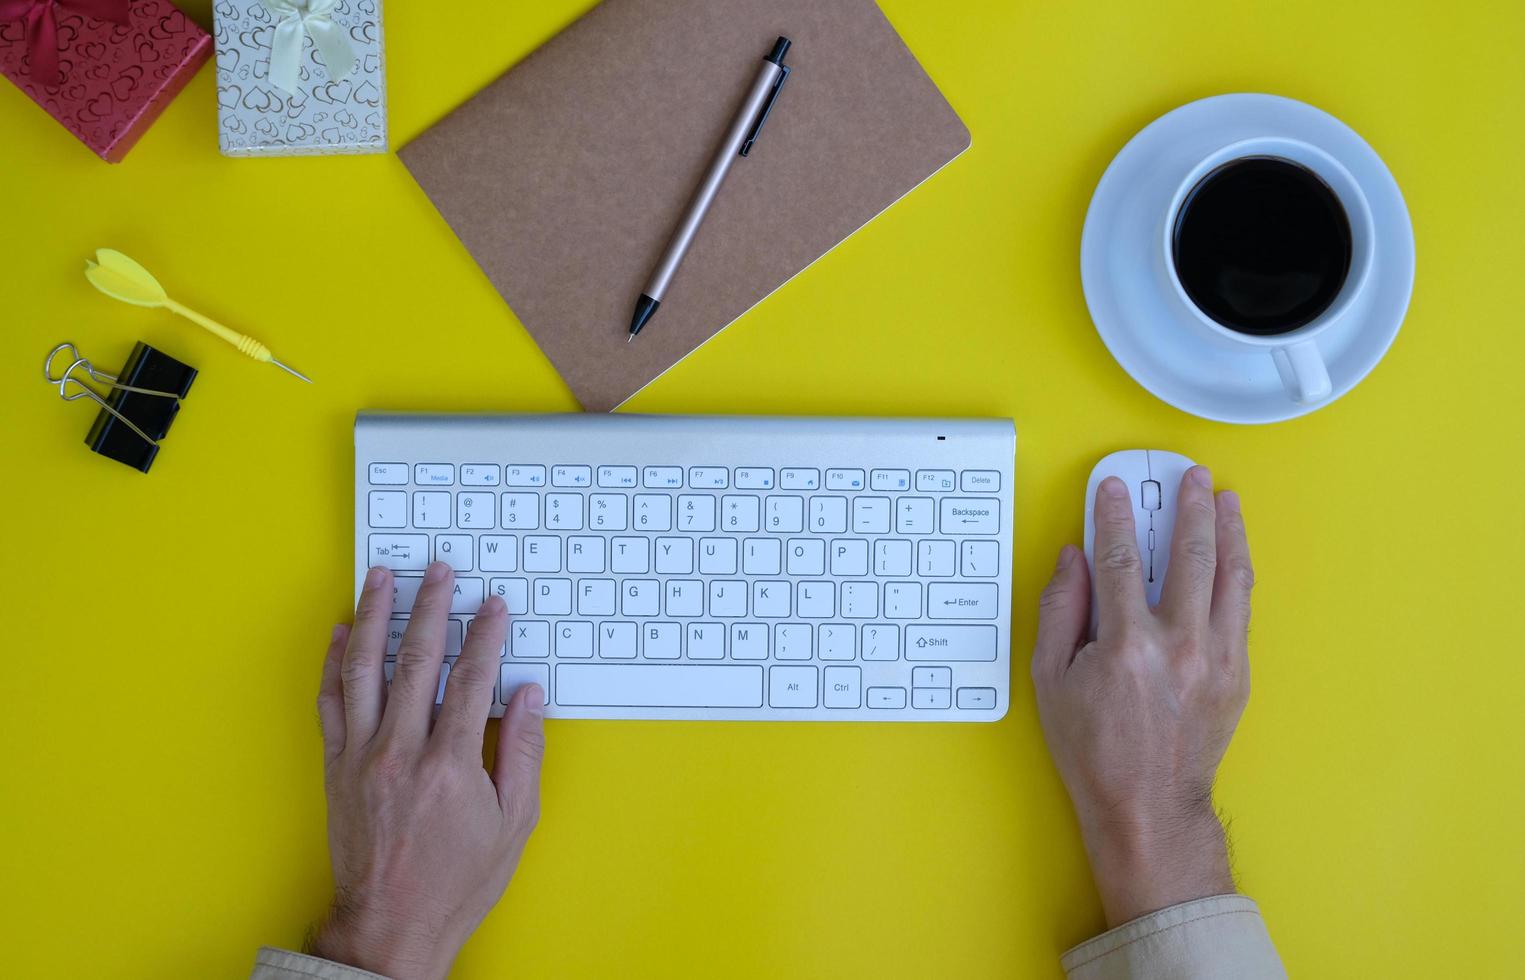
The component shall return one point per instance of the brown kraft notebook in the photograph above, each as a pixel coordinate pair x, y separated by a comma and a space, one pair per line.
565, 177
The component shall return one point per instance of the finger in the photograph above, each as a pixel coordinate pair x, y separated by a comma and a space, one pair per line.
1235, 576
331, 695
468, 693
1188, 594
521, 746
1063, 614
1119, 580
360, 674
415, 679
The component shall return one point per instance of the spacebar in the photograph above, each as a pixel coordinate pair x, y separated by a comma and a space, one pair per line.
658, 686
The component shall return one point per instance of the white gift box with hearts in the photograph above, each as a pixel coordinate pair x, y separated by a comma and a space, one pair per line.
276, 94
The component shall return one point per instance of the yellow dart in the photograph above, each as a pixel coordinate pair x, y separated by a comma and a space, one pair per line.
121, 278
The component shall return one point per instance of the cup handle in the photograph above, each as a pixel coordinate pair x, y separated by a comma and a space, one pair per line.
1302, 371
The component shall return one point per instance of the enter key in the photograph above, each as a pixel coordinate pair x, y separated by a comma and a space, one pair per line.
959, 600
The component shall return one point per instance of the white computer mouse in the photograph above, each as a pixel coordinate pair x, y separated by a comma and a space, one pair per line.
1153, 477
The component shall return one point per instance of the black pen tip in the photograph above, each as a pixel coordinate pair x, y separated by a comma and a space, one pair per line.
645, 308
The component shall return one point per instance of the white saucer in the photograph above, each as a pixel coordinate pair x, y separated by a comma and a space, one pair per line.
1150, 340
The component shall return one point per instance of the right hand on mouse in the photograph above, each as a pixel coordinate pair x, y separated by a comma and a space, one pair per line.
423, 839
1138, 719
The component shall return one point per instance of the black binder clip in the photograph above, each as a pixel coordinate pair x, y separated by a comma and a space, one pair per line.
136, 413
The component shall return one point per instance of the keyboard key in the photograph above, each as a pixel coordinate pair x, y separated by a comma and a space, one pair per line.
770, 599
792, 687
607, 512
432, 508
828, 515
398, 627
892, 558
728, 598
563, 511
630, 556
480, 475
595, 597
524, 475
706, 641
754, 478
652, 512
661, 641
574, 641
519, 510
871, 515
843, 687
709, 477
388, 508
934, 558
976, 698
659, 685
749, 641
434, 474
542, 553
640, 597
933, 481
388, 474
616, 641
454, 550
616, 477
931, 677
837, 641
784, 515
498, 553
553, 597
529, 640
475, 510
515, 593
444, 675
585, 554
571, 476
980, 481
662, 477
760, 556
797, 478
684, 598
675, 556
886, 697
399, 552
950, 643
816, 600
791, 641
963, 515
913, 515
467, 597
404, 593
844, 479
962, 600
980, 559
696, 512
717, 556
739, 515
902, 600
930, 697
806, 556
860, 600
889, 480
881, 642
511, 677
849, 556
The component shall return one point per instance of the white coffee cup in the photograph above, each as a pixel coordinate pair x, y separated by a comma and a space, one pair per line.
1296, 353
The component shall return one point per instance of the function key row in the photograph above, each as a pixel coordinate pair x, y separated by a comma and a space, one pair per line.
673, 477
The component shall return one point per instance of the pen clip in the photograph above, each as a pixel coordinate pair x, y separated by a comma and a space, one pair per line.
767, 109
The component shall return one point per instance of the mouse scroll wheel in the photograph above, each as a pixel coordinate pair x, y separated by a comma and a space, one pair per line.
1151, 495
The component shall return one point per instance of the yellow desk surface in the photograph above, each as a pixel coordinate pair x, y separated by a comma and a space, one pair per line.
161, 809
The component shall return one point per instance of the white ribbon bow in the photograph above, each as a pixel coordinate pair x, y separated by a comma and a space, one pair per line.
299, 17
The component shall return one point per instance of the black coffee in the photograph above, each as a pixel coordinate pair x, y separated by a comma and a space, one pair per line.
1262, 245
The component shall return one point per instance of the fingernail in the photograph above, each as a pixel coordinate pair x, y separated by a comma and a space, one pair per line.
374, 576
1066, 558
494, 606
534, 700
337, 634
436, 571
1113, 487
1229, 499
1202, 476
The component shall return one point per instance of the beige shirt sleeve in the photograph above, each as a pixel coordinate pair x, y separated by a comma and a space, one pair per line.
280, 964
1223, 936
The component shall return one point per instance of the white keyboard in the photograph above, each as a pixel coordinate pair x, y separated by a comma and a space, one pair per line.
709, 567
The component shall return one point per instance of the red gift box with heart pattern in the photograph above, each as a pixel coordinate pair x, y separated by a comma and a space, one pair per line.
104, 69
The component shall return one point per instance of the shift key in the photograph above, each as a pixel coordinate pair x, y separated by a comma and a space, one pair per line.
950, 644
